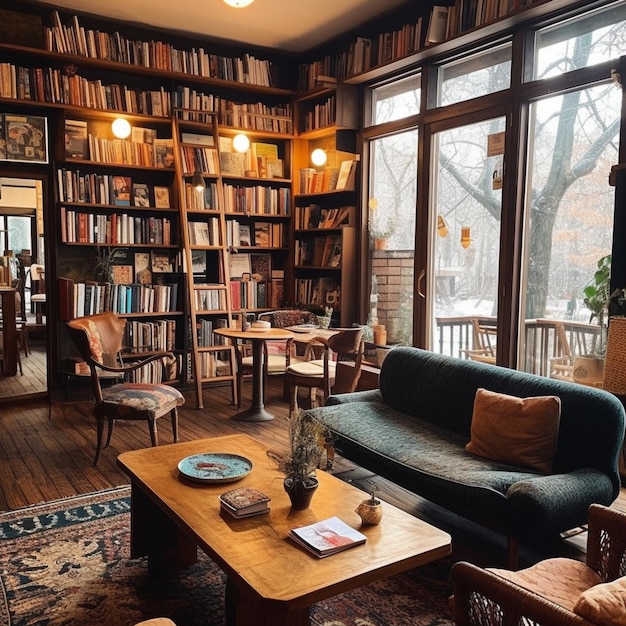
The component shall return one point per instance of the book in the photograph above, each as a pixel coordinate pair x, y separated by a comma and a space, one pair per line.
327, 537
121, 190
141, 195
76, 143
437, 24
244, 502
162, 197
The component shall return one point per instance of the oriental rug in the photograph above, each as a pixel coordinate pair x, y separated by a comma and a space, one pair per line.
66, 563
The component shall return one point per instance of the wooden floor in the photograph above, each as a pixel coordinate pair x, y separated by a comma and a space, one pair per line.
45, 458
32, 379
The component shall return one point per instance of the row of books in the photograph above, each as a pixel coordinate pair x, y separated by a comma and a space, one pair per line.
253, 115
257, 200
205, 233
74, 39
88, 298
212, 366
328, 179
248, 294
149, 336
316, 292
205, 334
154, 372
321, 115
75, 186
209, 297
160, 153
199, 159
53, 86
319, 251
206, 199
114, 228
314, 216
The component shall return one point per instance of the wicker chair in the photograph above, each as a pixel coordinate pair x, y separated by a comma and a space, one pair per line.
549, 593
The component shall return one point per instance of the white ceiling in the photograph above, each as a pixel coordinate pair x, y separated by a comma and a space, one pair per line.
287, 25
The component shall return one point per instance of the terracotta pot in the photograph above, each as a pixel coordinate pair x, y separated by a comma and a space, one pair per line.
300, 493
380, 243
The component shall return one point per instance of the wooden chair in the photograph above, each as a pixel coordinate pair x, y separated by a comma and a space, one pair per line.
38, 291
484, 342
330, 365
548, 592
99, 342
278, 354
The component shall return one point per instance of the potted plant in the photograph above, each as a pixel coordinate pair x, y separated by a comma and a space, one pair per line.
381, 225
306, 438
371, 510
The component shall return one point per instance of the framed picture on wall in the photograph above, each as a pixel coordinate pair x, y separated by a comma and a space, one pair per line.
23, 138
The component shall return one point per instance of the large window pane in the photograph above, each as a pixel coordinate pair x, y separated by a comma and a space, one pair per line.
467, 206
475, 75
393, 192
581, 42
396, 100
569, 221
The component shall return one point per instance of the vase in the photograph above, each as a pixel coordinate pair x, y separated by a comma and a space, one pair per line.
300, 493
370, 513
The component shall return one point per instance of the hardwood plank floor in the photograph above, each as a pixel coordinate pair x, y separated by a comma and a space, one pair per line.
45, 458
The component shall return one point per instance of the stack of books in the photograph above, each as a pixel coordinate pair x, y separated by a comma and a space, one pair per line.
244, 502
327, 537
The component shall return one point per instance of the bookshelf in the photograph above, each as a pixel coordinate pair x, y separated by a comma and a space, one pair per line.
118, 233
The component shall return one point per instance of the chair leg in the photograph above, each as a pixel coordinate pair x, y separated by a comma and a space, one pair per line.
99, 433
154, 439
174, 414
239, 388
109, 432
293, 398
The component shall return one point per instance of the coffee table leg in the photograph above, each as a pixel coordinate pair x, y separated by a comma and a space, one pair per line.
155, 535
243, 610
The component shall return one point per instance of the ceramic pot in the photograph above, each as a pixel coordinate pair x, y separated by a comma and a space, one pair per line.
381, 243
300, 493
370, 512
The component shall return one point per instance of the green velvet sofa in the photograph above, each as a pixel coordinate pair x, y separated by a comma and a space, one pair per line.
413, 430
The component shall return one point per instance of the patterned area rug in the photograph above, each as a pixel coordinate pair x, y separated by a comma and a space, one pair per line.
67, 563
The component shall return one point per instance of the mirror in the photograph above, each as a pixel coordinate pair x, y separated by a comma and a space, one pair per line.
22, 249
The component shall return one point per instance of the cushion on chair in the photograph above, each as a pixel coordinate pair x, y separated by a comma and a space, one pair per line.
130, 399
157, 621
312, 368
276, 363
560, 580
604, 604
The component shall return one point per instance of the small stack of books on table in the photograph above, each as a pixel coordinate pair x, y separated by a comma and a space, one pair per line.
244, 502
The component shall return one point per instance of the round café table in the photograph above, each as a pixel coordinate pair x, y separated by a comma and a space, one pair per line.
257, 411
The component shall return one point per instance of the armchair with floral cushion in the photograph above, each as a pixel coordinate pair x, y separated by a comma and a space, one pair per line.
555, 591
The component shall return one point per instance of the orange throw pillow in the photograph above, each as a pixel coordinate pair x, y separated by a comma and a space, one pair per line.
517, 431
604, 604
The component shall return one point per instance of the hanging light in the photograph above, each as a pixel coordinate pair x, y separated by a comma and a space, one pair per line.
241, 143
238, 4
318, 157
198, 181
121, 128
442, 228
466, 239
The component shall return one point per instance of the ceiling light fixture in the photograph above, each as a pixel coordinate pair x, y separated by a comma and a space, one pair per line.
238, 4
466, 238
121, 128
241, 143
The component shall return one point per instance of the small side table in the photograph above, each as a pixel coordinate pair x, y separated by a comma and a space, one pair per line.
257, 411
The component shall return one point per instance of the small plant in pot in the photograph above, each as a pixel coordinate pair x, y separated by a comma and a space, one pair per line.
307, 438
371, 510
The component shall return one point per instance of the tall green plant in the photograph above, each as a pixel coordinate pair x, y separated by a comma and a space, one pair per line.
597, 292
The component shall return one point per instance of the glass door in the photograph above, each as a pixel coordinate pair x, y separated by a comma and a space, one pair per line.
465, 216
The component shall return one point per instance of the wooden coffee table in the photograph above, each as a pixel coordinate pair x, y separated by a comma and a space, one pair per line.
271, 581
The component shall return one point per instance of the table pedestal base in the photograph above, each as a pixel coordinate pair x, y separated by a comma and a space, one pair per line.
254, 414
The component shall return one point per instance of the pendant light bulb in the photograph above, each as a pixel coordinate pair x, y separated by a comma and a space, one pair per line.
121, 128
241, 143
238, 4
318, 157
198, 181
466, 238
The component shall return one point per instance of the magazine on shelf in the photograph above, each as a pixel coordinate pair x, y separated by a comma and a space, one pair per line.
327, 537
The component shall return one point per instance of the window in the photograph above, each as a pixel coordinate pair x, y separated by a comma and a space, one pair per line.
581, 42
476, 75
396, 100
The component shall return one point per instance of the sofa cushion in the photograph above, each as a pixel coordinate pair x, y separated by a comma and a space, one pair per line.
518, 431
560, 580
604, 603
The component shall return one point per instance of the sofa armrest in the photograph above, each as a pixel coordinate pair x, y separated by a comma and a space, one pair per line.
558, 499
482, 598
369, 395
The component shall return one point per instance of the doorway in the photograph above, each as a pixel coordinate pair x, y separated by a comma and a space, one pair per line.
22, 246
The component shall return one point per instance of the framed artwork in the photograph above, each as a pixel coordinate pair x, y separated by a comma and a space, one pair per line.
23, 138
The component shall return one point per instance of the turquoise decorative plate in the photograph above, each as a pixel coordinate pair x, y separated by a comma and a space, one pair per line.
215, 468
